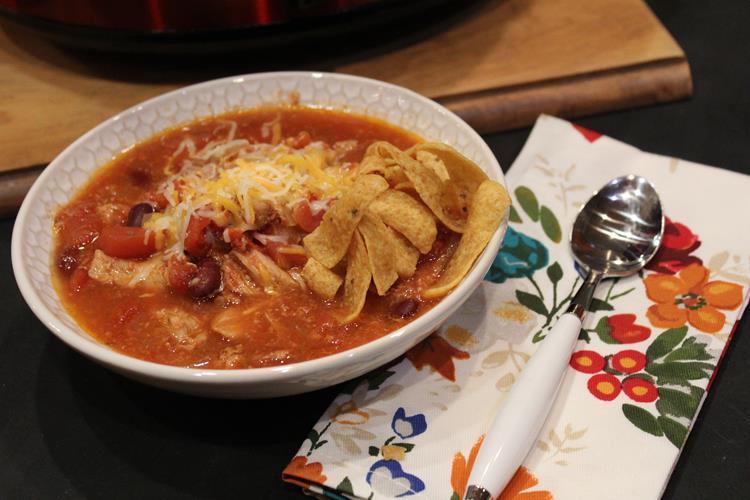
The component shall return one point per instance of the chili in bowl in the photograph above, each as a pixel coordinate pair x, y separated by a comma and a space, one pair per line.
260, 235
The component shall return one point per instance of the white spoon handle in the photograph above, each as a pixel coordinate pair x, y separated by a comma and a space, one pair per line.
517, 424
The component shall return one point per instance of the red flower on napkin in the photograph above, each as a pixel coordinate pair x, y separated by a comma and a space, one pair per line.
438, 354
604, 386
640, 390
629, 361
590, 135
623, 329
587, 361
677, 244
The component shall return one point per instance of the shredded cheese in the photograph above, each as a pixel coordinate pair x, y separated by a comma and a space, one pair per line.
237, 184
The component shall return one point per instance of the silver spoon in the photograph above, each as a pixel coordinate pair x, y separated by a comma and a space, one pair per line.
615, 234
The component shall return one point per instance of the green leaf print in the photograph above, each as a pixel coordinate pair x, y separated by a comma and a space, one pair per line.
642, 419
554, 273
674, 431
690, 349
603, 331
665, 342
532, 302
407, 446
529, 203
374, 451
513, 215
314, 437
600, 305
678, 403
691, 370
550, 225
673, 362
345, 486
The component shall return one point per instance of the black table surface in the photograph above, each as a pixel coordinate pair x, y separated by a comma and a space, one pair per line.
70, 429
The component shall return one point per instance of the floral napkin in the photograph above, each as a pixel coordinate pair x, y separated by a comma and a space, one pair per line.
637, 379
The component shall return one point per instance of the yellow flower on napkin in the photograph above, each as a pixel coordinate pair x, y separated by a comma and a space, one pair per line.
393, 452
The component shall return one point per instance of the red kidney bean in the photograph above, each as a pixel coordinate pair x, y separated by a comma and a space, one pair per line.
207, 280
215, 238
140, 176
405, 308
137, 213
68, 259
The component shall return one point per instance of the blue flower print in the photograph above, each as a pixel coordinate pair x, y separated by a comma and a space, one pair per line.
519, 257
389, 479
406, 427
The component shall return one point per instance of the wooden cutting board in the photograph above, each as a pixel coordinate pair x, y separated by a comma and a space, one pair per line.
498, 68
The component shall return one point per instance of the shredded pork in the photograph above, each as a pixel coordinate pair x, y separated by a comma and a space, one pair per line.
148, 274
265, 272
185, 330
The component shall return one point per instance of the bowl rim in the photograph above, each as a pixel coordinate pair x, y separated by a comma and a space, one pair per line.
94, 349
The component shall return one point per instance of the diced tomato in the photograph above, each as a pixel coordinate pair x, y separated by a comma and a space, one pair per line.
126, 242
305, 218
158, 200
78, 226
78, 279
290, 260
286, 256
179, 274
239, 239
67, 259
197, 243
300, 140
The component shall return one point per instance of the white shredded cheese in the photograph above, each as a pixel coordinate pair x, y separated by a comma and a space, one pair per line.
236, 183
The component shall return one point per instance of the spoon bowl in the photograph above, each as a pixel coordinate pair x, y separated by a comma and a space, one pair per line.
620, 228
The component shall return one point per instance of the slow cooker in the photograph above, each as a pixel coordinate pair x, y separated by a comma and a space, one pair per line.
206, 25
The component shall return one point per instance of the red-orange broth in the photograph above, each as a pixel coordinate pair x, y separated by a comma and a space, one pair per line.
288, 327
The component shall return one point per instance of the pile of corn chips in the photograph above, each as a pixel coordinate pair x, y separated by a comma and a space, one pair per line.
387, 218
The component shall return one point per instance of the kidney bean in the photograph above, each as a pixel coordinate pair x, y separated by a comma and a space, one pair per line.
140, 176
207, 280
405, 308
215, 237
68, 259
137, 213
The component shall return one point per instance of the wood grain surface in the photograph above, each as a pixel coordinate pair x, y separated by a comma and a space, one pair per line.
498, 68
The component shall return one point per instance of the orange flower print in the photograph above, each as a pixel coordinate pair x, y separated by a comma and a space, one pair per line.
462, 467
350, 414
689, 297
516, 489
436, 352
302, 474
518, 486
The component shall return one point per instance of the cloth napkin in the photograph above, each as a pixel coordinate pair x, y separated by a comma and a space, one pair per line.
638, 376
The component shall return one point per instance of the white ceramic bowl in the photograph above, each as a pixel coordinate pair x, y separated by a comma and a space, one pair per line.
32, 234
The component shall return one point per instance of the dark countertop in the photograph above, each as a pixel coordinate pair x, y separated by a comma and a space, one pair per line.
70, 429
